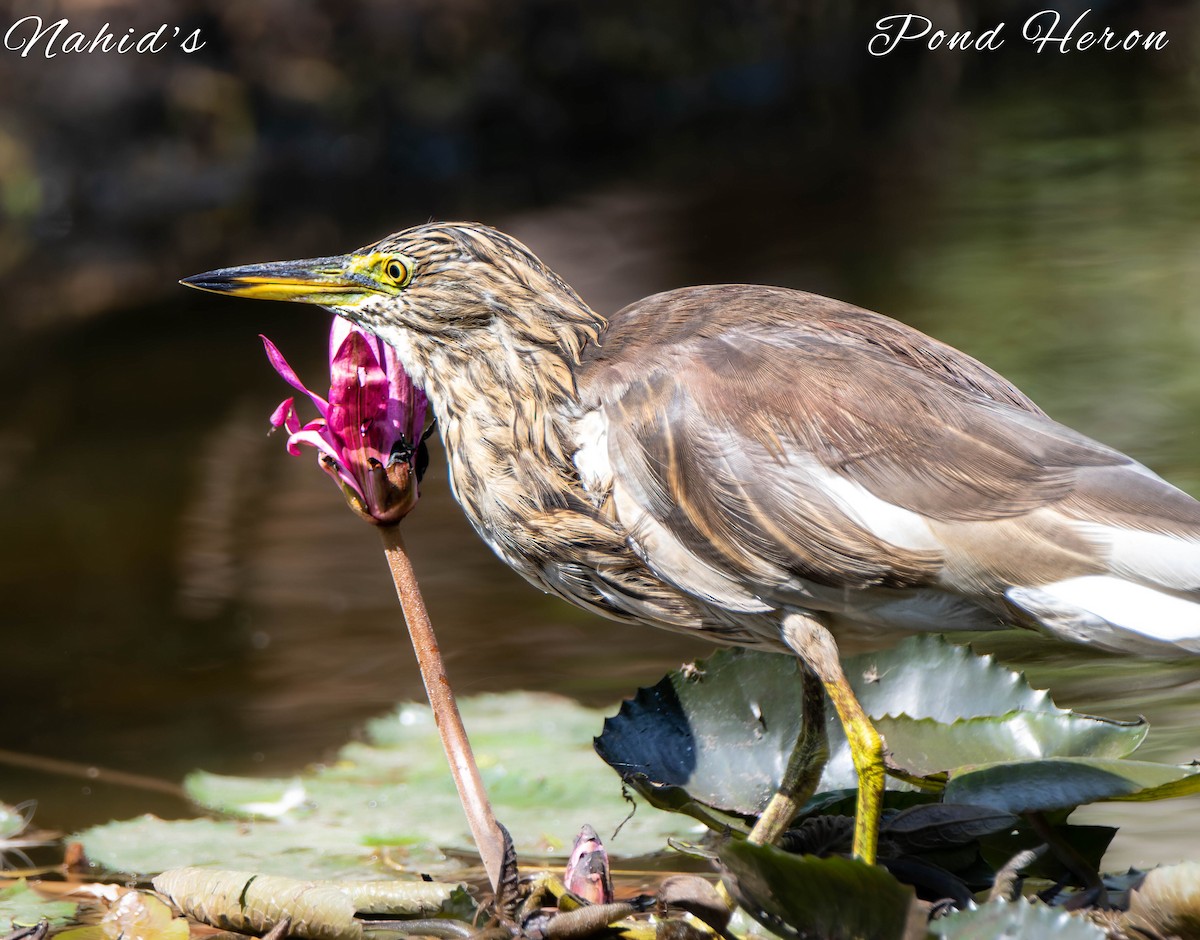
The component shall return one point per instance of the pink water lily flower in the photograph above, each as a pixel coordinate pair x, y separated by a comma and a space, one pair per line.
367, 433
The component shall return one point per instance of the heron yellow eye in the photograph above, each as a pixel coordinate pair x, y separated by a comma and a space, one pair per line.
398, 271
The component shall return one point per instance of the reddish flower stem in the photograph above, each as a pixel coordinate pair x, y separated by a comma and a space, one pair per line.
489, 838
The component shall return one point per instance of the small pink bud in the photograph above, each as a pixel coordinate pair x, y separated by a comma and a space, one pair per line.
587, 873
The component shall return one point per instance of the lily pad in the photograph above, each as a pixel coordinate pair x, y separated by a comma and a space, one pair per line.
1015, 920
196, 889
722, 730
251, 903
393, 792
1065, 782
944, 825
929, 677
833, 898
22, 906
313, 848
925, 746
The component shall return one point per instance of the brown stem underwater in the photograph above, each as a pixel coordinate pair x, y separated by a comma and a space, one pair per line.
489, 837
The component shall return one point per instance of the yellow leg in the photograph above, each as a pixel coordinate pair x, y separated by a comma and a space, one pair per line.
814, 645
804, 767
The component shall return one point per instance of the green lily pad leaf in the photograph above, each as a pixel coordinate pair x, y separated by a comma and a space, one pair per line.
834, 898
845, 802
1015, 920
1069, 781
945, 834
88, 932
22, 906
926, 746
252, 903
944, 825
319, 910
393, 793
247, 796
722, 730
929, 677
312, 848
931, 699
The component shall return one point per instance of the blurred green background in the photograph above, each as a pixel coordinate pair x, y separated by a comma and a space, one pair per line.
179, 593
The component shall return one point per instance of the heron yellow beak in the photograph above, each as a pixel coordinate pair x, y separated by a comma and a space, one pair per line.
335, 281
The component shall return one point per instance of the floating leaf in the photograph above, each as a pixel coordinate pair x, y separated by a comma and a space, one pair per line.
192, 890
944, 825
1015, 920
832, 898
313, 848
1064, 782
22, 906
845, 802
394, 791
932, 700
925, 746
252, 903
247, 796
401, 898
721, 731
929, 677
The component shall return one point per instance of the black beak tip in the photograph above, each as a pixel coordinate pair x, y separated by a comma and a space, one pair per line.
209, 280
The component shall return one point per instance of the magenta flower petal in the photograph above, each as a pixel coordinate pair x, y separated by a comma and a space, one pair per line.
289, 375
285, 416
358, 395
368, 430
314, 437
406, 404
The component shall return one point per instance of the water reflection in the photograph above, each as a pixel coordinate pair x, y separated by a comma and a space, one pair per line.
180, 593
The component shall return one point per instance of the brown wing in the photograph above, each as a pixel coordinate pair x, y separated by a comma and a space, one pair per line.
759, 435
641, 332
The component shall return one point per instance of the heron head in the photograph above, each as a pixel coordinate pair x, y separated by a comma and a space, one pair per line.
441, 285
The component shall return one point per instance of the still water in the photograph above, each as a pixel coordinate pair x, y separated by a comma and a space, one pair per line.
180, 593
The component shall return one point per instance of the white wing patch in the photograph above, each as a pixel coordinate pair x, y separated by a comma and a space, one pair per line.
886, 521
1148, 556
1114, 614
